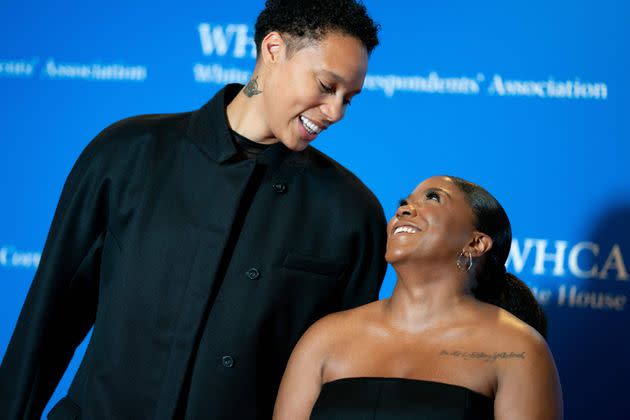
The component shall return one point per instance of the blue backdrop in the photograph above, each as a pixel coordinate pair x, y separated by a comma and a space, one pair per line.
526, 98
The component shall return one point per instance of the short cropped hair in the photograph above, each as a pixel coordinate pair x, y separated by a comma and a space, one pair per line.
312, 20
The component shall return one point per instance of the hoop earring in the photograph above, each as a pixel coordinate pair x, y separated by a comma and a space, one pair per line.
470, 262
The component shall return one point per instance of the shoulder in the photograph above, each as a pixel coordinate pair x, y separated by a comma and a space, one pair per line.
338, 327
117, 149
124, 141
527, 382
515, 340
507, 328
143, 127
342, 183
330, 168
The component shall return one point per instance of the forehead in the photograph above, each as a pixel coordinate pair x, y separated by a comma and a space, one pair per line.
343, 55
457, 201
440, 183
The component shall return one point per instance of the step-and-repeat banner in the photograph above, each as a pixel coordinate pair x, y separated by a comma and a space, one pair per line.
529, 99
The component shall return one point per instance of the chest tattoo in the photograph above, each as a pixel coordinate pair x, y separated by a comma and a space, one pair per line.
480, 355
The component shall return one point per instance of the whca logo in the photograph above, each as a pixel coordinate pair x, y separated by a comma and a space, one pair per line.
227, 40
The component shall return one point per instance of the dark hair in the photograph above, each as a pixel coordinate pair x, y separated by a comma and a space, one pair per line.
494, 284
314, 19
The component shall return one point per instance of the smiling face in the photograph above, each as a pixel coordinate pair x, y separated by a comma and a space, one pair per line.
435, 221
309, 89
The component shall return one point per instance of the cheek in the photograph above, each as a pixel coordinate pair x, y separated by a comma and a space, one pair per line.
278, 112
300, 92
455, 235
282, 107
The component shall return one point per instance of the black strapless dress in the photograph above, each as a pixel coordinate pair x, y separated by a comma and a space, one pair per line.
398, 399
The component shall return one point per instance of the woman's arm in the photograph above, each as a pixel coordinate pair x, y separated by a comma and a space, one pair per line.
302, 378
529, 388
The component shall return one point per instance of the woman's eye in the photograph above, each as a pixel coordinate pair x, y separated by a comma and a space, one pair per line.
402, 202
326, 88
432, 195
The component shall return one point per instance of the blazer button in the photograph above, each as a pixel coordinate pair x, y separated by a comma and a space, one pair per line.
253, 273
228, 361
279, 187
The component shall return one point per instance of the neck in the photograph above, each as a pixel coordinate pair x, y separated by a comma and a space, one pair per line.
246, 116
427, 296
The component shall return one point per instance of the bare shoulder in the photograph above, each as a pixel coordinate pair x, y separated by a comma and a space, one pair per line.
304, 374
501, 327
340, 325
513, 331
493, 335
516, 341
328, 333
527, 384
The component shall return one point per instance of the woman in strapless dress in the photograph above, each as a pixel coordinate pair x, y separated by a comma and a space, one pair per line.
458, 339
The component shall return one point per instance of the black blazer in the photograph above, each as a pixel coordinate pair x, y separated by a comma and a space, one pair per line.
197, 271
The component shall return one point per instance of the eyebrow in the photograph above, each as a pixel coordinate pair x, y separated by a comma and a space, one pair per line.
333, 75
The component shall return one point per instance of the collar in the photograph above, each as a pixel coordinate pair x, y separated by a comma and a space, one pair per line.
209, 130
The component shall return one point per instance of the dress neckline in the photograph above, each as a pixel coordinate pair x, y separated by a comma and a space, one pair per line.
400, 379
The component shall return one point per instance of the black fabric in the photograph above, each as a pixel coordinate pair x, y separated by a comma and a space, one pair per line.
247, 148
65, 409
175, 253
399, 399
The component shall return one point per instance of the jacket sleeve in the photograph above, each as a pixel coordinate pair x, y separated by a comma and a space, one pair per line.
368, 268
61, 303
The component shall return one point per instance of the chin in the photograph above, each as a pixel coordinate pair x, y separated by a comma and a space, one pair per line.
393, 257
395, 253
296, 145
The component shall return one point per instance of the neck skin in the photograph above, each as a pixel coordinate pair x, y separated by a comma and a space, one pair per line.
426, 296
246, 115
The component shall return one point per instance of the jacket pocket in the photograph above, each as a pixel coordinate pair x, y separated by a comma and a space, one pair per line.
310, 264
65, 409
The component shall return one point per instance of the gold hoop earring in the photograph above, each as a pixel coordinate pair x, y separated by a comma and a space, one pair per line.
470, 262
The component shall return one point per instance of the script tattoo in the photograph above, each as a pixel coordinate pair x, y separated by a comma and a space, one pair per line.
251, 88
480, 355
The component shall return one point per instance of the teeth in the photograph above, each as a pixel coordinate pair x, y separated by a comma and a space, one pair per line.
310, 126
406, 229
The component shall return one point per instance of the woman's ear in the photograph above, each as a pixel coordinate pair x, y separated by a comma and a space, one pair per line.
272, 48
479, 244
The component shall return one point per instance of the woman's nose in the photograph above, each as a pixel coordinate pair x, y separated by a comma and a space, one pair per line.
406, 210
334, 109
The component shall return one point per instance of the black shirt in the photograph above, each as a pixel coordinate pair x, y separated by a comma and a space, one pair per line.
248, 149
